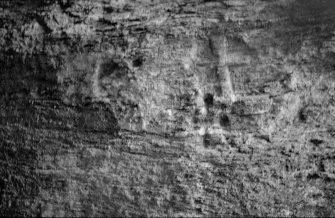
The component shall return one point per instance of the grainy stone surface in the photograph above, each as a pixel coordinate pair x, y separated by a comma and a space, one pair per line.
187, 108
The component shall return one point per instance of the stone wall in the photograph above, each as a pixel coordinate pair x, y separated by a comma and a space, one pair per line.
187, 108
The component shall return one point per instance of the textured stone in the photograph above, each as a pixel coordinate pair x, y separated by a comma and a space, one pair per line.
158, 108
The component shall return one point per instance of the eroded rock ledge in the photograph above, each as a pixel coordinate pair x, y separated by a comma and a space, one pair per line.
167, 108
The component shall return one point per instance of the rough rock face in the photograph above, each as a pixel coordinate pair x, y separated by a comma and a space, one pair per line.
167, 108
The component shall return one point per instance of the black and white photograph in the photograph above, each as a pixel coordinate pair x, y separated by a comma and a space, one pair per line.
167, 108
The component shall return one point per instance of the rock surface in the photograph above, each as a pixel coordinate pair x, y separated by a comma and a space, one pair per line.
167, 108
